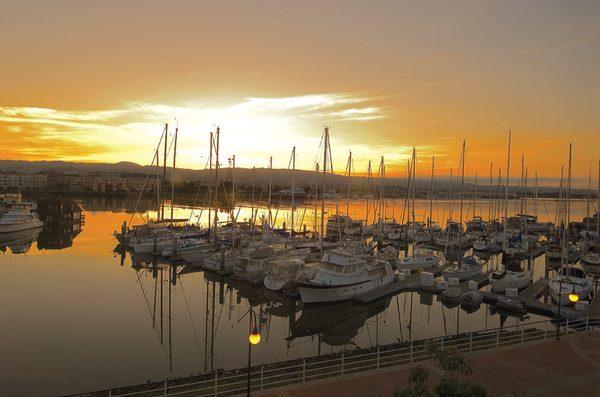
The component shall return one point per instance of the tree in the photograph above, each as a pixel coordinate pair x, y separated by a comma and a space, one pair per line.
454, 365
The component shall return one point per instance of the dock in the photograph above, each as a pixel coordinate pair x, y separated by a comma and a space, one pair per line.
529, 297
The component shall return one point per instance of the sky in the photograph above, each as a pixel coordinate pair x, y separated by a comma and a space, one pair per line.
96, 81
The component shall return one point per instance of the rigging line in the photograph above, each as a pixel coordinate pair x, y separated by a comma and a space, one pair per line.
189, 314
198, 193
139, 281
281, 196
147, 176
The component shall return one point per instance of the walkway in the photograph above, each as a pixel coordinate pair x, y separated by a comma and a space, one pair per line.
570, 367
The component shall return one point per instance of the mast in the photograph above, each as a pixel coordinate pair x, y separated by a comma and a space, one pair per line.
504, 221
491, 193
210, 180
270, 187
162, 204
349, 170
158, 182
522, 182
216, 202
431, 193
587, 207
325, 143
369, 178
565, 242
525, 191
462, 192
535, 196
173, 173
233, 217
253, 216
414, 183
316, 184
293, 188
475, 196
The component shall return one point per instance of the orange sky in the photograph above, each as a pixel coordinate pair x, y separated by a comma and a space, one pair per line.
95, 81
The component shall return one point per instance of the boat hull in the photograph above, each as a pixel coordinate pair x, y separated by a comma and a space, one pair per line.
18, 227
320, 294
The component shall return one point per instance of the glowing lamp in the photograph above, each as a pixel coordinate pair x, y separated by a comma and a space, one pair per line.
254, 337
573, 297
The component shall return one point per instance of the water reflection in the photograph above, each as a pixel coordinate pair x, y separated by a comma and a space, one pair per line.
135, 319
18, 242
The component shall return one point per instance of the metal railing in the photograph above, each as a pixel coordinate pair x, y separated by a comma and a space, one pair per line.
226, 383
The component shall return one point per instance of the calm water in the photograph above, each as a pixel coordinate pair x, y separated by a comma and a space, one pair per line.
82, 318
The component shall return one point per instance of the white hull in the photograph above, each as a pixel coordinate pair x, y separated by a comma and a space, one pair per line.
412, 263
147, 247
518, 280
310, 294
195, 256
17, 227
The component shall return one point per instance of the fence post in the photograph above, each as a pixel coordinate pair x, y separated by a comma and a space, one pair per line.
587, 321
342, 363
110, 393
261, 376
567, 327
442, 348
470, 342
411, 352
303, 370
377, 357
216, 384
522, 335
164, 388
497, 338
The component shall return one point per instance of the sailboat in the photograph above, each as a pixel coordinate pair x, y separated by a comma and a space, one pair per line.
341, 274
517, 278
421, 258
569, 279
591, 259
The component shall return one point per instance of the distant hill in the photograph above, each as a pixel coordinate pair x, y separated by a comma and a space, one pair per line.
280, 177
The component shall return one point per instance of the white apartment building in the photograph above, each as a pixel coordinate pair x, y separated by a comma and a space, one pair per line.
22, 181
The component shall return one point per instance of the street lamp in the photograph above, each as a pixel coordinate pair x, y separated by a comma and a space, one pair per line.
573, 297
253, 339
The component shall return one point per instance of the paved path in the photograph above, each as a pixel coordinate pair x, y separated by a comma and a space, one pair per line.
570, 367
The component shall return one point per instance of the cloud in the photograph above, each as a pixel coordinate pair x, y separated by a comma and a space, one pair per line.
253, 128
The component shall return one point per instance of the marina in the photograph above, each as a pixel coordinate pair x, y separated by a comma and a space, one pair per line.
209, 311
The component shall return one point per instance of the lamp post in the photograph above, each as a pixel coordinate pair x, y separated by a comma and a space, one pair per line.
253, 339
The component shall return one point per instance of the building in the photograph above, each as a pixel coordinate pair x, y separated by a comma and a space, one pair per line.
63, 221
116, 182
22, 181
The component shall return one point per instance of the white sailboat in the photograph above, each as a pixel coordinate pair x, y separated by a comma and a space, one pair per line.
500, 280
422, 258
569, 280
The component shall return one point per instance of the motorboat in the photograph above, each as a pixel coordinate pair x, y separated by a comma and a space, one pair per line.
570, 280
343, 275
19, 218
422, 258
